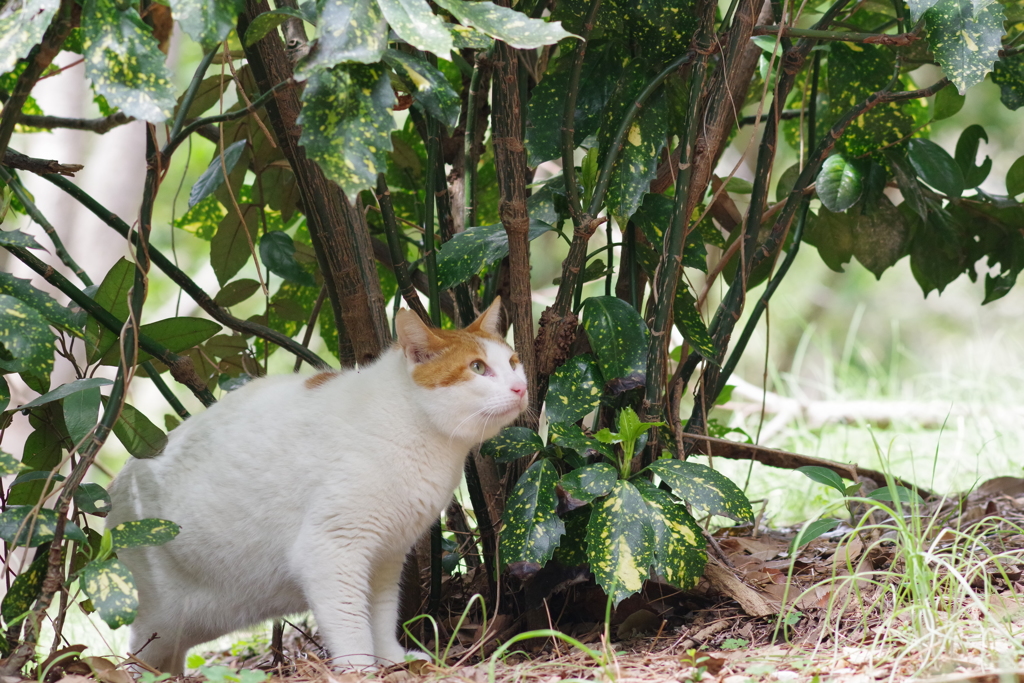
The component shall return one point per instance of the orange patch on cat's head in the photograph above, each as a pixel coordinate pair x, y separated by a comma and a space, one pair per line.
319, 379
442, 357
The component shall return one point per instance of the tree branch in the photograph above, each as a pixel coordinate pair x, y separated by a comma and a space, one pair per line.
99, 125
12, 159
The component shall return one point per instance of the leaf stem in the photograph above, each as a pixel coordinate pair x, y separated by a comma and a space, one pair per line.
190, 93
890, 40
398, 261
569, 116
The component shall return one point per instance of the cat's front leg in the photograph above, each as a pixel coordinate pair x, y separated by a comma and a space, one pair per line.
384, 603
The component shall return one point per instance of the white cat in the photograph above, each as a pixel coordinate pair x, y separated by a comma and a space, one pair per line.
298, 493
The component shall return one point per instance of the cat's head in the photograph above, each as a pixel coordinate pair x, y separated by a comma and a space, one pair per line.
474, 383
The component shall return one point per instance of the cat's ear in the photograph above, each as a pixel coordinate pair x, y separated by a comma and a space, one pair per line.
489, 320
416, 339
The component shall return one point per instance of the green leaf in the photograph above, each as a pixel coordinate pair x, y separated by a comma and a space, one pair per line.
618, 337
92, 498
512, 443
138, 434
124, 62
568, 435
919, 7
948, 102
213, 177
277, 251
654, 216
237, 291
965, 40
231, 247
57, 315
113, 296
17, 238
880, 238
468, 252
8, 464
574, 389
589, 482
934, 166
679, 544
81, 412
177, 334
1008, 74
967, 153
346, 123
658, 27
416, 24
24, 590
825, 476
207, 21
465, 37
18, 521
839, 184
429, 86
531, 528
909, 186
891, 493
65, 390
811, 531
25, 338
691, 325
703, 487
268, 21
21, 28
5, 399
620, 542
347, 31
510, 26
143, 532
110, 586
832, 234
1015, 178
637, 163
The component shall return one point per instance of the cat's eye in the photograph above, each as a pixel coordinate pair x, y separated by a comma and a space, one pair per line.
478, 367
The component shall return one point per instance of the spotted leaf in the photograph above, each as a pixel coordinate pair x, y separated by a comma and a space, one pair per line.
24, 590
855, 72
124, 62
430, 87
618, 337
637, 163
143, 532
653, 217
515, 28
468, 252
679, 545
347, 31
8, 464
703, 487
1008, 74
512, 443
574, 389
268, 21
531, 528
347, 123
662, 29
416, 24
26, 342
17, 238
92, 498
21, 28
569, 435
919, 7
19, 525
110, 586
113, 296
691, 325
620, 541
57, 315
965, 41
589, 482
207, 21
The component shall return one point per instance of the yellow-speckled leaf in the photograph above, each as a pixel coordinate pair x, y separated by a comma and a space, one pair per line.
1008, 74
429, 86
347, 31
854, 72
620, 541
515, 28
574, 389
26, 342
618, 337
17, 238
124, 63
691, 325
23, 592
470, 251
207, 21
589, 482
416, 24
653, 216
142, 532
55, 314
569, 435
679, 545
346, 123
964, 40
18, 520
8, 464
110, 586
512, 443
661, 29
705, 488
21, 28
532, 530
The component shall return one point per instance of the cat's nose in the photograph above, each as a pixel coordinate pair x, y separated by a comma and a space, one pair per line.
519, 389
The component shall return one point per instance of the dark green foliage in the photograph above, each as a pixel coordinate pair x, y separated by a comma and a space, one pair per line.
620, 541
512, 443
531, 528
574, 389
619, 338
469, 252
110, 586
704, 487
